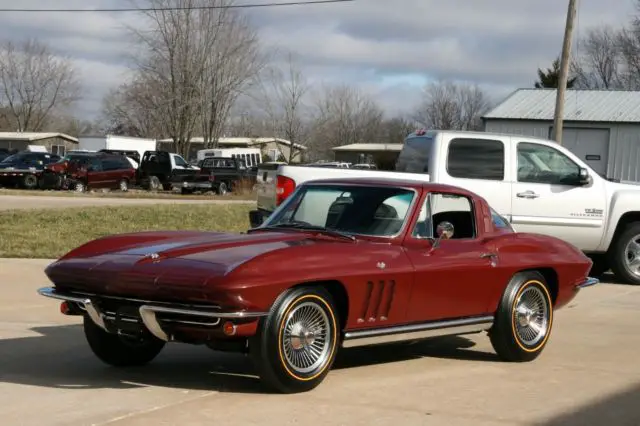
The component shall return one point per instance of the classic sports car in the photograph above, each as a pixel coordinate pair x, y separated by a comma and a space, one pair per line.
341, 263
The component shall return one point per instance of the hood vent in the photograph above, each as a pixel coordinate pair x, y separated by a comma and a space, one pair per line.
378, 301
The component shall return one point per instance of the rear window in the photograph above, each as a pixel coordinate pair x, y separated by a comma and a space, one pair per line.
414, 157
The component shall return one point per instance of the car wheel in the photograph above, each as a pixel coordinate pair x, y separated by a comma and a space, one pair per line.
80, 186
124, 185
222, 189
296, 344
624, 255
118, 350
523, 321
30, 182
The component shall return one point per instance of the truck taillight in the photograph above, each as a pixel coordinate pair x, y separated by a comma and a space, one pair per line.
284, 188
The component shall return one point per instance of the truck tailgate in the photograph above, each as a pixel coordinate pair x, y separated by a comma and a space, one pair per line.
266, 186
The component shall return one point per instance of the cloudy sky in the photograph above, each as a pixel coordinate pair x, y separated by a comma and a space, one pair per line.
390, 48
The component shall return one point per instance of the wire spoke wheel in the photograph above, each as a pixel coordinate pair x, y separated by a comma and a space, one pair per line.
531, 316
306, 340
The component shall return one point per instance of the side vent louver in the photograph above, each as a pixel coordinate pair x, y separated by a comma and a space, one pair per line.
377, 301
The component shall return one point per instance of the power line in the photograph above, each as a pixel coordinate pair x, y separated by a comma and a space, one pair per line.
160, 9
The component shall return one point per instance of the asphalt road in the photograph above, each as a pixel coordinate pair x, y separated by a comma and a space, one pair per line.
9, 202
589, 374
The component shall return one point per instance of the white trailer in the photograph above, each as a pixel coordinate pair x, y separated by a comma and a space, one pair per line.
120, 143
251, 156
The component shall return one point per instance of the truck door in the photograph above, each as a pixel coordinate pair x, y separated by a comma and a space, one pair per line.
548, 198
478, 164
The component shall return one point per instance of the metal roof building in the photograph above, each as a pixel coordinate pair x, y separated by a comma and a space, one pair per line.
600, 126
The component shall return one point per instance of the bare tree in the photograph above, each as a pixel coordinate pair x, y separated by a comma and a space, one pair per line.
451, 106
195, 61
129, 110
283, 98
35, 83
345, 115
232, 65
600, 62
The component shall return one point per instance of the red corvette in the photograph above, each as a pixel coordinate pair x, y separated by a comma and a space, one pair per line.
340, 263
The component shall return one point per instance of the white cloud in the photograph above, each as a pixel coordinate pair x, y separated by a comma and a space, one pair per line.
387, 47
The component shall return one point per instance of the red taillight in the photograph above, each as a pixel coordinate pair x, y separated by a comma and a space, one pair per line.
284, 188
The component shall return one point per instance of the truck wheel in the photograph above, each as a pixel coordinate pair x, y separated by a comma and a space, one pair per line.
624, 254
524, 318
30, 182
120, 351
296, 344
154, 183
222, 189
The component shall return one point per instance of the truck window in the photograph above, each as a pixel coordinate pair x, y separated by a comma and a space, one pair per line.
473, 158
180, 161
415, 154
543, 164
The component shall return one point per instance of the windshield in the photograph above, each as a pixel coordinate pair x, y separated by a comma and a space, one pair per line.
364, 210
14, 157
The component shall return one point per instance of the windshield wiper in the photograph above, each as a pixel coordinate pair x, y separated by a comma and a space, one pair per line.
308, 227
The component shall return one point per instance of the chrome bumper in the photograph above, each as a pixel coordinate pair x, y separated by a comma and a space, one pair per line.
588, 282
148, 311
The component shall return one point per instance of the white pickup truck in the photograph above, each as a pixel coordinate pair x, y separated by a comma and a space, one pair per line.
538, 185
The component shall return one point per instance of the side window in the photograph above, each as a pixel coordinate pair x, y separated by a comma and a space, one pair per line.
180, 161
95, 164
544, 164
476, 159
438, 208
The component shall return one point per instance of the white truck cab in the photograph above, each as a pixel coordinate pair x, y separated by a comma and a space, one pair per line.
538, 185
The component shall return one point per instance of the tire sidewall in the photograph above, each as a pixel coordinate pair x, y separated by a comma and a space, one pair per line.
618, 254
268, 353
504, 336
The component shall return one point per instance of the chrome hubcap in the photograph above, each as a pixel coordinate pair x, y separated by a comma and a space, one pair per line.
307, 338
632, 256
123, 186
531, 316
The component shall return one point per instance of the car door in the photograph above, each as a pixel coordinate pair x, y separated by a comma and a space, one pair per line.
548, 198
96, 176
451, 280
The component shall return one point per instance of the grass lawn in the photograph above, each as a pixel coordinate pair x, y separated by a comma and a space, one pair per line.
133, 193
50, 233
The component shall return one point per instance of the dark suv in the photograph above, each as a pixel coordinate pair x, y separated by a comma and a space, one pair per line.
81, 171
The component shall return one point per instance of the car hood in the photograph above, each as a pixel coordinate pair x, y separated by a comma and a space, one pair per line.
165, 265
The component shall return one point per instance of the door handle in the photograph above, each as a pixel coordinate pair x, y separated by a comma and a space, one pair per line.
492, 256
527, 194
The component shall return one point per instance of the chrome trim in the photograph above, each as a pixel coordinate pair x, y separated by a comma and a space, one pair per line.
416, 331
588, 282
148, 312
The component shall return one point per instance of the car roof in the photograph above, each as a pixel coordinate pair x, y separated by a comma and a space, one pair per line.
395, 182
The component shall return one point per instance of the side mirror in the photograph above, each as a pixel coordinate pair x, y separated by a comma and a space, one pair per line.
583, 176
444, 231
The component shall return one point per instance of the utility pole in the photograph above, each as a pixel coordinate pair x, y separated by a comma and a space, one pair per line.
564, 72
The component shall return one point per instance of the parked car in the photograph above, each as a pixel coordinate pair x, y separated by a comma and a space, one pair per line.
157, 169
538, 185
217, 174
24, 168
84, 171
341, 263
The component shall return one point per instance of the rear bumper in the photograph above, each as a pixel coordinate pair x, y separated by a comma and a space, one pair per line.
588, 282
154, 316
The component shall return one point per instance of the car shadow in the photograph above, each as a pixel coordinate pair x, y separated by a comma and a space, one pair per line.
619, 409
59, 357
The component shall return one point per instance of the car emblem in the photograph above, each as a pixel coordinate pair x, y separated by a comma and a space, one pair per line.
381, 265
152, 255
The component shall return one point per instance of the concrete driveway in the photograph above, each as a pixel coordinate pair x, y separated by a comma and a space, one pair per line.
588, 375
9, 202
